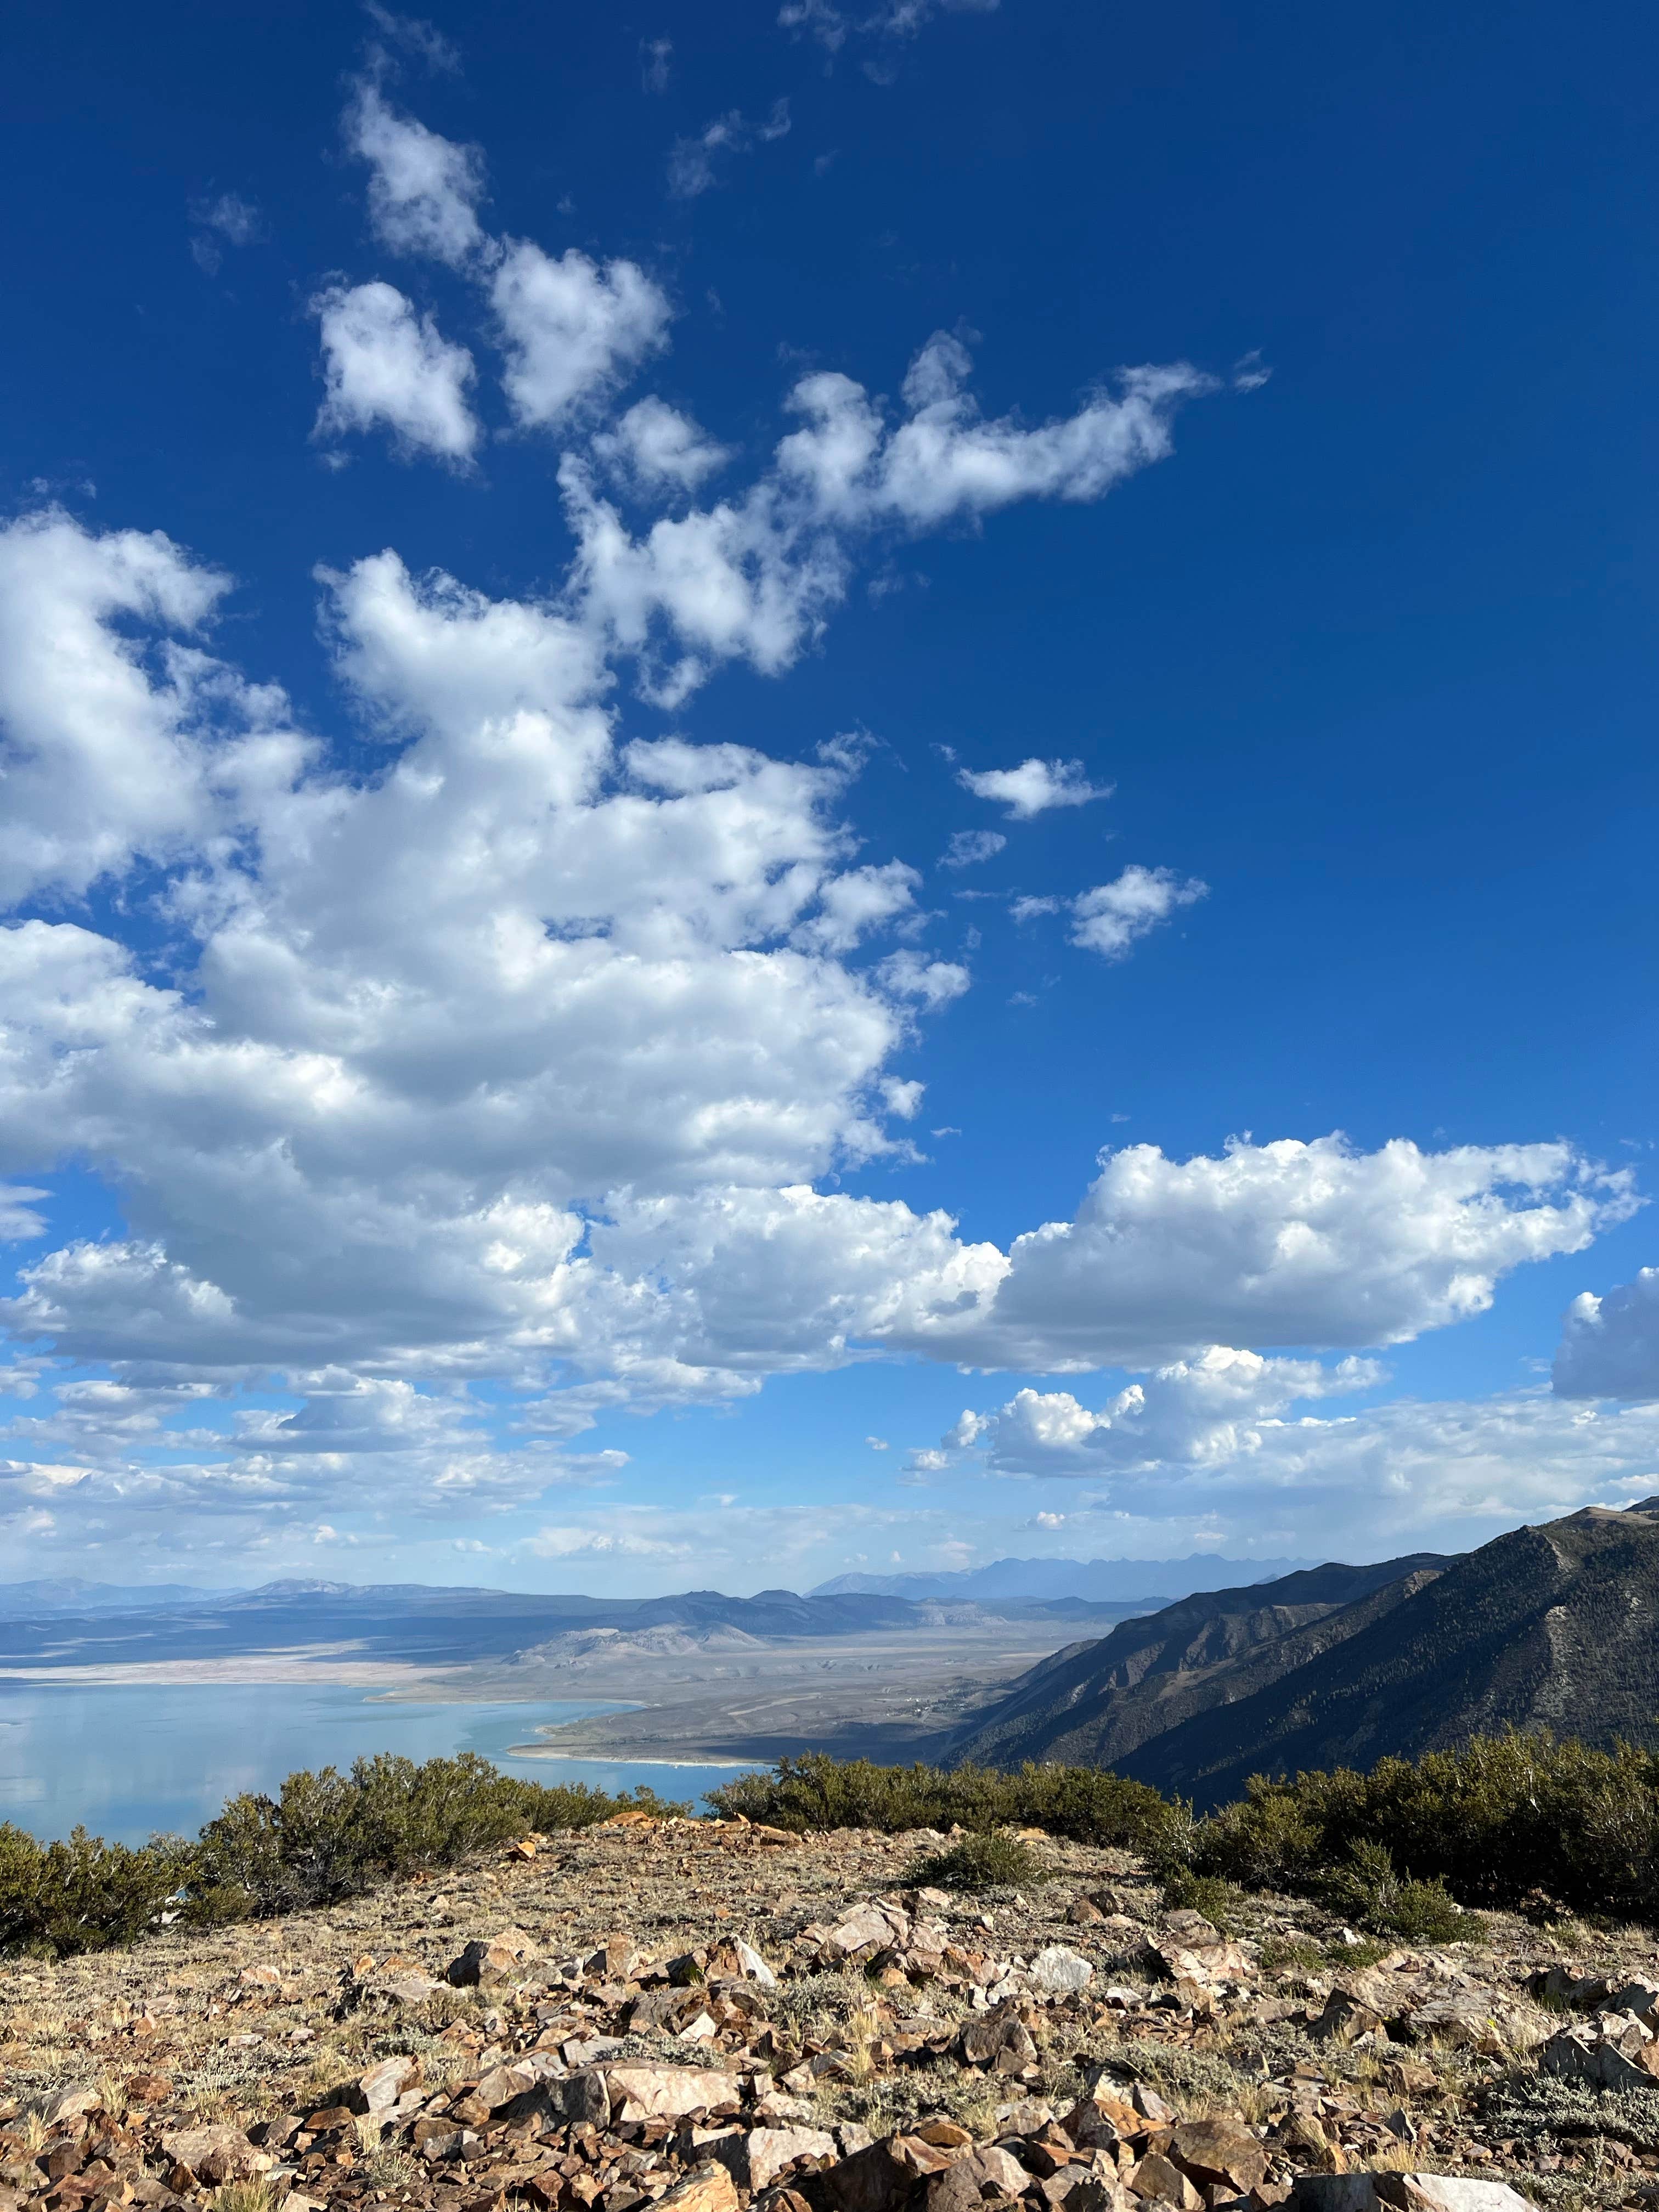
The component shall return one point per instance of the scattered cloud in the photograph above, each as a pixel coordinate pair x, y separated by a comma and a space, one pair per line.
386, 366
1205, 1411
654, 445
691, 161
413, 35
573, 331
424, 190
887, 26
1286, 1243
656, 57
225, 220
1034, 786
1214, 1447
969, 846
754, 576
1111, 918
107, 743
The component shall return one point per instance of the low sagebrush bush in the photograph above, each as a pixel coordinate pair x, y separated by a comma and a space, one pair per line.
987, 1861
1085, 1804
1217, 1900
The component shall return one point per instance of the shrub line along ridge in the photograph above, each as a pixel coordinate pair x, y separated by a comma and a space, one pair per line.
1514, 1820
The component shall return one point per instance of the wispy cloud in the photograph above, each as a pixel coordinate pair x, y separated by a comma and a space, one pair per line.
692, 162
226, 219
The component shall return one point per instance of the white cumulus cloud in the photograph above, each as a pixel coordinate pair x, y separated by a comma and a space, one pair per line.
1609, 1345
385, 366
1110, 919
1034, 786
1284, 1243
655, 445
424, 190
573, 331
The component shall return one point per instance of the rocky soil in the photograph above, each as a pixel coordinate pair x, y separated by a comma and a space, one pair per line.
707, 2016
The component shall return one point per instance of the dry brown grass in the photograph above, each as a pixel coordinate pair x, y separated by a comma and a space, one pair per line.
245, 2197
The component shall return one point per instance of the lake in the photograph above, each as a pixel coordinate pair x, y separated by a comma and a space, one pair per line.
127, 1760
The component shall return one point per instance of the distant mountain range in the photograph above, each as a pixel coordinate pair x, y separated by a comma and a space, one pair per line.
1555, 1627
71, 1595
420, 1623
1120, 1581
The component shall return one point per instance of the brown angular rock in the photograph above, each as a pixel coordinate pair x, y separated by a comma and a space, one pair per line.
491, 1959
1302, 2137
670, 2092
71, 2103
1150, 2107
1219, 2150
1158, 2180
1600, 2061
709, 2188
215, 2154
1345, 2017
379, 2089
756, 2157
943, 2134
1101, 2120
872, 2180
989, 2174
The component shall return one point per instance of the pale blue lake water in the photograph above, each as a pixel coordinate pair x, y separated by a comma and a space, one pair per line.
128, 1760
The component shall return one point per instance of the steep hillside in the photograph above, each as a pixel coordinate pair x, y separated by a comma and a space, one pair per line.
1097, 1702
1552, 1627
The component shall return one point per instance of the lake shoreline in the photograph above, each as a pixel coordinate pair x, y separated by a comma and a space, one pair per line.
140, 1757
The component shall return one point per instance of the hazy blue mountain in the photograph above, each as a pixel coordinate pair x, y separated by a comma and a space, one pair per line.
69, 1594
428, 1625
1122, 1581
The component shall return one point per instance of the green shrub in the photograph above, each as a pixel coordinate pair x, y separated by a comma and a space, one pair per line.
983, 1862
1499, 1819
1427, 1912
326, 1836
82, 1895
1217, 1900
1299, 1951
1264, 1841
1085, 1804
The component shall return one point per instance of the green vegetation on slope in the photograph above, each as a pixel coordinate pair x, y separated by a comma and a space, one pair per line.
1087, 1804
1511, 1821
1505, 1820
327, 1836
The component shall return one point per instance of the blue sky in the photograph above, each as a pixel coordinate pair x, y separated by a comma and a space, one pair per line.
667, 680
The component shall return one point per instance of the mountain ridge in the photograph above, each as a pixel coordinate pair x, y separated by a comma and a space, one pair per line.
1131, 1580
1553, 1626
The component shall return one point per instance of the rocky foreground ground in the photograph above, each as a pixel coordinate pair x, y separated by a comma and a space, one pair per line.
706, 2016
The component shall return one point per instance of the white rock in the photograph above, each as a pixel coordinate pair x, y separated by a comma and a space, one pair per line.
1058, 1972
755, 1968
